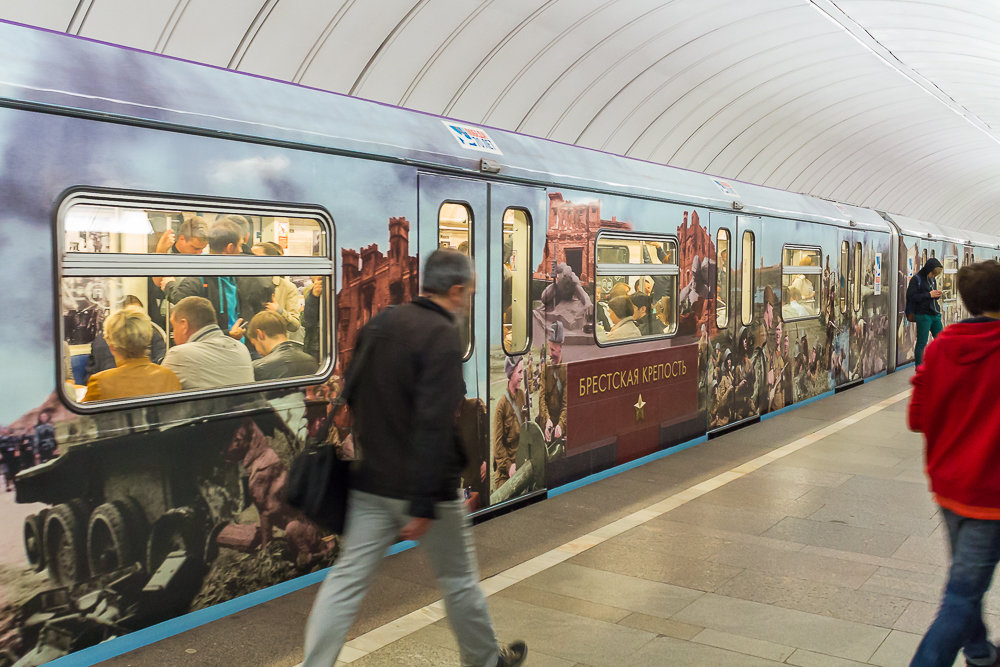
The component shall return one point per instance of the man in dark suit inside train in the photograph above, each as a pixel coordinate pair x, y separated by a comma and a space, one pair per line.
280, 357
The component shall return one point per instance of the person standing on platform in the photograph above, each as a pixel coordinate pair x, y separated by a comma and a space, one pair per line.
954, 405
922, 297
404, 404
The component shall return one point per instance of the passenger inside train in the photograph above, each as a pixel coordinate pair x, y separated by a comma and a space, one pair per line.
105, 237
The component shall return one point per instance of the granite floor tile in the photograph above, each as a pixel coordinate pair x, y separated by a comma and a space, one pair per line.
660, 626
669, 651
836, 535
797, 564
681, 533
557, 635
797, 629
655, 566
894, 563
616, 590
564, 603
843, 463
816, 598
746, 645
703, 513
897, 649
803, 658
796, 475
861, 515
905, 584
763, 501
919, 615
932, 549
667, 540
410, 651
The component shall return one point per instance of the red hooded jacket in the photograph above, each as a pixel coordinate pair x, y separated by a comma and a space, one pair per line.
954, 404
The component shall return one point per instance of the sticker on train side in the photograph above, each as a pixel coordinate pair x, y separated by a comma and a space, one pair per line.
472, 138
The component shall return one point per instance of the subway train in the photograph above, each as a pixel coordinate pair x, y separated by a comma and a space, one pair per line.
623, 309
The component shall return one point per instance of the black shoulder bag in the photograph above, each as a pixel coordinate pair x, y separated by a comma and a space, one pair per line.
318, 479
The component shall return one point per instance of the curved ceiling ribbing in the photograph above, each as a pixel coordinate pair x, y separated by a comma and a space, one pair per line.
891, 104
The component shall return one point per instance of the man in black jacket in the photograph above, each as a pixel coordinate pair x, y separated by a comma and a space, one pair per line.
404, 404
922, 297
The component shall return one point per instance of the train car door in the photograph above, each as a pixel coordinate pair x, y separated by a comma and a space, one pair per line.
844, 339
518, 340
722, 369
453, 213
750, 391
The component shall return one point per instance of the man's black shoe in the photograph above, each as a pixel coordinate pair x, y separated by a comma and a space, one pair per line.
513, 654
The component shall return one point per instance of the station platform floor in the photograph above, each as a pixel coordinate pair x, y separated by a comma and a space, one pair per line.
808, 539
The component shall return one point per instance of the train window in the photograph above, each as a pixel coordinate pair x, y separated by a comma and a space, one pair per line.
515, 294
637, 288
845, 264
948, 279
455, 231
123, 229
746, 279
801, 276
722, 279
857, 276
126, 334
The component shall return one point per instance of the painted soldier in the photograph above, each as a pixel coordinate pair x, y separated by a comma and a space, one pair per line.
552, 406
45, 437
9, 453
507, 420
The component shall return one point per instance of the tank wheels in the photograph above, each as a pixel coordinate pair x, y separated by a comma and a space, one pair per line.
177, 530
34, 542
64, 544
111, 539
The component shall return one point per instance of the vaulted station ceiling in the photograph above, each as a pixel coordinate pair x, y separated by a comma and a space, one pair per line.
890, 104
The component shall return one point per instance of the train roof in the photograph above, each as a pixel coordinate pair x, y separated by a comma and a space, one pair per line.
924, 229
77, 75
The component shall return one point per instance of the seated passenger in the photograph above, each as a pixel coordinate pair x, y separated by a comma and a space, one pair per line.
205, 357
128, 333
622, 325
280, 357
794, 307
663, 314
286, 301
643, 316
101, 359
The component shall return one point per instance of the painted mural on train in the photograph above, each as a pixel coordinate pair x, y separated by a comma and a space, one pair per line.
117, 519
547, 426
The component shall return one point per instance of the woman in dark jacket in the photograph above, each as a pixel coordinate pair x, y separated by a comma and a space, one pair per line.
922, 297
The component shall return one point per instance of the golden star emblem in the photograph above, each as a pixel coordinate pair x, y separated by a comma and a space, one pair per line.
640, 409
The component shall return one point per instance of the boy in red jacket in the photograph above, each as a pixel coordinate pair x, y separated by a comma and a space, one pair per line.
954, 404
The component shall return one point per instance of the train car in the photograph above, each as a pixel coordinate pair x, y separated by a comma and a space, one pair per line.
918, 241
623, 309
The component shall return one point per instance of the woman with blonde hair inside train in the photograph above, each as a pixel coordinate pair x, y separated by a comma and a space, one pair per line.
128, 333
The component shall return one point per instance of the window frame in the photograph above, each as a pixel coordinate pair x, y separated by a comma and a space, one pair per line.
844, 276
527, 283
628, 270
952, 294
729, 276
801, 270
472, 258
124, 265
858, 274
743, 277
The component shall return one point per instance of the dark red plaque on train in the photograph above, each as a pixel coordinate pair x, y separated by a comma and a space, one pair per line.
631, 398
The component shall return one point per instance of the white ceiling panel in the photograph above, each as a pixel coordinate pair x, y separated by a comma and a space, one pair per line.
208, 30
893, 104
